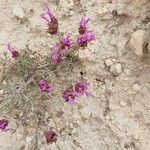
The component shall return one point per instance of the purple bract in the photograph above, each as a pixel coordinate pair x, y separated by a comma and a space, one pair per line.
60, 50
69, 95
45, 86
83, 25
82, 88
79, 89
51, 20
4, 124
12, 50
84, 39
50, 136
66, 43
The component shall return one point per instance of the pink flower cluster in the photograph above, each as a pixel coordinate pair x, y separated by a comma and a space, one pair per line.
60, 50
86, 35
78, 90
84, 39
45, 86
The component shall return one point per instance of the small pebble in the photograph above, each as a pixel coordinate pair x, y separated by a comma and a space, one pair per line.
71, 13
131, 114
18, 12
112, 117
136, 87
118, 68
28, 139
123, 103
108, 62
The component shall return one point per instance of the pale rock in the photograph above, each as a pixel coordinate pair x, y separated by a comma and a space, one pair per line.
108, 62
131, 114
138, 41
116, 69
71, 13
123, 103
18, 12
28, 139
4, 82
136, 87
112, 117
114, 60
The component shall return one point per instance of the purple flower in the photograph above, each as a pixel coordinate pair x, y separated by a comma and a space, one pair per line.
50, 136
60, 50
84, 39
12, 50
69, 95
45, 87
79, 89
51, 20
83, 25
66, 43
4, 124
82, 88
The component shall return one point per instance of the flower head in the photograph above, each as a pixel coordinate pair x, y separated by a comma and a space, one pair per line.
60, 50
50, 136
66, 43
45, 86
69, 95
51, 20
82, 88
84, 39
12, 50
3, 124
73, 92
83, 25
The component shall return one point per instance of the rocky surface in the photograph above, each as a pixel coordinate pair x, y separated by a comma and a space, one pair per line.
117, 116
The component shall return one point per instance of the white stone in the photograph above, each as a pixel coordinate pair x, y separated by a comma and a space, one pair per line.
71, 12
136, 87
131, 114
28, 139
112, 117
138, 41
118, 68
18, 11
123, 103
108, 62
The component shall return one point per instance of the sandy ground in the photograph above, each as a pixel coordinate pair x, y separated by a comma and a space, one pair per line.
117, 116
